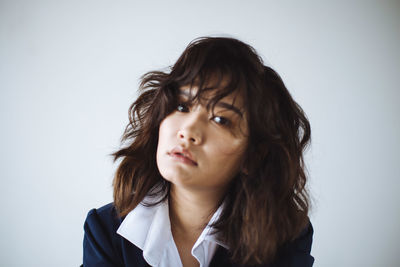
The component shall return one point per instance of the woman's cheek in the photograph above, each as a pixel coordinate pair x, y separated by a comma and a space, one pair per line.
232, 147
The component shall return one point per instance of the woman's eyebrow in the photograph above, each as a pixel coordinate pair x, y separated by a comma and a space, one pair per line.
230, 107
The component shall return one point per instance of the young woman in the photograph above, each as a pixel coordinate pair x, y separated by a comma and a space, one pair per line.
211, 170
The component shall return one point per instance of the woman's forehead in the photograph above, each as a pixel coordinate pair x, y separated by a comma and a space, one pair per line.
207, 94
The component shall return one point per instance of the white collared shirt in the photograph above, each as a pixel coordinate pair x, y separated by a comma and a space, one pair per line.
149, 229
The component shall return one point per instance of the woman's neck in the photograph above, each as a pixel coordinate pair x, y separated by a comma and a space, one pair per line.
191, 211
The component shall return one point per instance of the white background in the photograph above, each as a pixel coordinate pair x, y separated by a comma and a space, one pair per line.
69, 71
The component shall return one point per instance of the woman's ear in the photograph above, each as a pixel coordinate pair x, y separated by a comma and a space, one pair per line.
244, 165
243, 169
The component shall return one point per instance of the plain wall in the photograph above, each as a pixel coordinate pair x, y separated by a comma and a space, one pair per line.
70, 69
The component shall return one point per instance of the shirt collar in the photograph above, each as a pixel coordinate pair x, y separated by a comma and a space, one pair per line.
149, 228
208, 232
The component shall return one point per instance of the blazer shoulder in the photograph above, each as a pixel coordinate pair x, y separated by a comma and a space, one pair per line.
102, 246
105, 218
106, 214
304, 241
293, 254
101, 243
298, 252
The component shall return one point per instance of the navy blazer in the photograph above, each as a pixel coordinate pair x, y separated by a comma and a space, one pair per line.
103, 247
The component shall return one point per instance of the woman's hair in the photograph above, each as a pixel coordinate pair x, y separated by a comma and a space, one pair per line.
266, 204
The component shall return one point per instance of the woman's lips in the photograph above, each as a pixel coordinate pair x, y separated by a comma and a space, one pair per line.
182, 158
182, 155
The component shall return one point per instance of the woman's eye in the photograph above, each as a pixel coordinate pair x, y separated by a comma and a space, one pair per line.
182, 108
221, 120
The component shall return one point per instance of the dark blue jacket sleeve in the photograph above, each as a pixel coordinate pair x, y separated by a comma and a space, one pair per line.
298, 252
99, 246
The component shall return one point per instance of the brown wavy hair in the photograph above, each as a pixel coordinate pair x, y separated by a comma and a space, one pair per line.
267, 204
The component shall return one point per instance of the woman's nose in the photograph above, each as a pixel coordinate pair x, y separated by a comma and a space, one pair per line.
191, 130
189, 136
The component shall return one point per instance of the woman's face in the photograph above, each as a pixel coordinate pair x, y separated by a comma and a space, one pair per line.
202, 149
